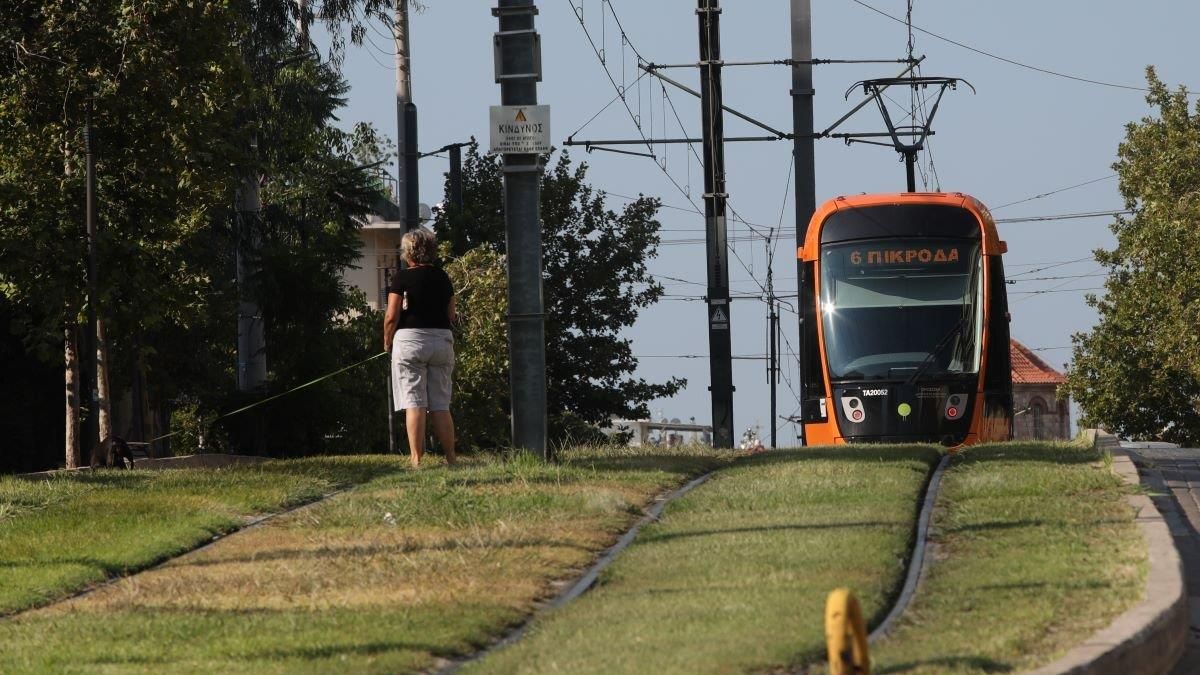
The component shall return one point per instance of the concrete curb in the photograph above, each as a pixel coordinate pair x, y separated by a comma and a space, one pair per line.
1151, 637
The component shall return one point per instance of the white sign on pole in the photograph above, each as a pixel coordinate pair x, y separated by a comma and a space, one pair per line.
718, 318
520, 129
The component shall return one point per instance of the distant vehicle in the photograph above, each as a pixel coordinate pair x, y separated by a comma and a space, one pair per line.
750, 440
905, 314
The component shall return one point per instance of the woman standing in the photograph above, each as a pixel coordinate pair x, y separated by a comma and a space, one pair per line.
416, 331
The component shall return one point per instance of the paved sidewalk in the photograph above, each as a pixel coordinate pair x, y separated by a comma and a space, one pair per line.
1173, 476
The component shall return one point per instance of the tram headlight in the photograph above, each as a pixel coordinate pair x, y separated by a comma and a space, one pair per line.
852, 408
956, 405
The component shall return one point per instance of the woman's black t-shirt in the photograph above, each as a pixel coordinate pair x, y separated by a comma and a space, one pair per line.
428, 291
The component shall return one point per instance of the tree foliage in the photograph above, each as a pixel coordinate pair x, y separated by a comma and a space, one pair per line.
595, 281
1138, 371
480, 403
189, 97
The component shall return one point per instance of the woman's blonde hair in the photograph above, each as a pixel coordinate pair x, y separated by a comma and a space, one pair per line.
419, 246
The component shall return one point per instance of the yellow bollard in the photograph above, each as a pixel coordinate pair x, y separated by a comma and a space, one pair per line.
846, 635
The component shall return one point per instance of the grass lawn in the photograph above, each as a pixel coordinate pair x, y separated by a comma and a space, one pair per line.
735, 575
61, 534
388, 577
1037, 549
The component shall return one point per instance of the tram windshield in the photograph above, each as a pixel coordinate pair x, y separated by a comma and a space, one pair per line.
901, 309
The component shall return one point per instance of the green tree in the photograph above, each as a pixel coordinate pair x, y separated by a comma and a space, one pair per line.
595, 283
480, 404
1137, 372
179, 88
161, 77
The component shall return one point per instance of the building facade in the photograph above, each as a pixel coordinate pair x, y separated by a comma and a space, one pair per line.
1040, 413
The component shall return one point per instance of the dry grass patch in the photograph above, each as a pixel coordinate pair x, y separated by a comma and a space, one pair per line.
61, 534
389, 577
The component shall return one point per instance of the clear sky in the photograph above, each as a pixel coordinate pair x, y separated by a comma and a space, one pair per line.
1025, 133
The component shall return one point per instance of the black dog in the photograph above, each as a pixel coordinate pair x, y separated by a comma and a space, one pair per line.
112, 453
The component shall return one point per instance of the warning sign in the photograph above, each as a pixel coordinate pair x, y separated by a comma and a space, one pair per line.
520, 129
718, 318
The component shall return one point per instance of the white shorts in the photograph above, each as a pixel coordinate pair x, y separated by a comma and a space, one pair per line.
422, 363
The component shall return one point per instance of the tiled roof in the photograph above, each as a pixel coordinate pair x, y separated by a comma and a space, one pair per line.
1027, 368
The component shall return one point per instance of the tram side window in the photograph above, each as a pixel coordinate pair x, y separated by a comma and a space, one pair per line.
998, 377
812, 377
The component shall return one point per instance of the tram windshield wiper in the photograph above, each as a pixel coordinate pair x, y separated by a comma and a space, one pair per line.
947, 339
955, 334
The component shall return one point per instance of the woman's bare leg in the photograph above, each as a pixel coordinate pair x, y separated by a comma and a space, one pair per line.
443, 430
415, 422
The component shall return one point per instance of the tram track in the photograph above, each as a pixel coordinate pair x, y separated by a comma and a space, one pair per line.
583, 583
916, 569
918, 562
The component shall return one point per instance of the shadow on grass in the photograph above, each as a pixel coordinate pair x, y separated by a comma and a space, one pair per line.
340, 470
1030, 585
858, 454
113, 478
976, 662
1026, 452
656, 463
368, 649
659, 538
328, 552
1020, 524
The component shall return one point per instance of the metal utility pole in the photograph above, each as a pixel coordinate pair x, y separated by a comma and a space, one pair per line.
518, 70
720, 355
391, 402
456, 184
804, 152
87, 351
407, 196
773, 356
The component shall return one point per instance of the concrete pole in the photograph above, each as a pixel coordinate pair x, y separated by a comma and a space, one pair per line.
407, 195
518, 72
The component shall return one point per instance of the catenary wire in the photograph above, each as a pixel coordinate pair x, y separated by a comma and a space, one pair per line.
1053, 192
1013, 62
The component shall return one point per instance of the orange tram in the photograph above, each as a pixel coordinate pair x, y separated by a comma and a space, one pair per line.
905, 322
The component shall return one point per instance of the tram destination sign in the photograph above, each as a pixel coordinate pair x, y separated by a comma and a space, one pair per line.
520, 129
891, 256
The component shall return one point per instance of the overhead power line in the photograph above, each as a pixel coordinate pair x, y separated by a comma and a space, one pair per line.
621, 93
1045, 71
1070, 276
1048, 265
1066, 216
1054, 192
745, 357
1058, 290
